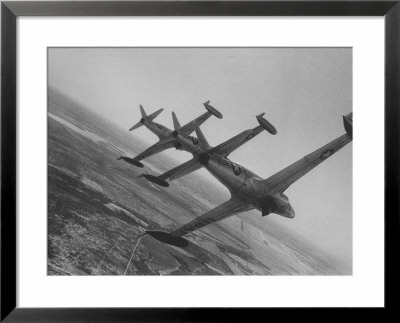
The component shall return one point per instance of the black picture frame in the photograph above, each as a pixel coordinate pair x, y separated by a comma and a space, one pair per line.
10, 10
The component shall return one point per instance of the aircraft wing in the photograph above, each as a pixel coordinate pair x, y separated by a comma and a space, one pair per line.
225, 210
158, 147
234, 143
286, 177
181, 170
188, 128
175, 173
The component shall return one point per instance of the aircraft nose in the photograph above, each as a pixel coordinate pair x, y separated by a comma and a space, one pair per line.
289, 212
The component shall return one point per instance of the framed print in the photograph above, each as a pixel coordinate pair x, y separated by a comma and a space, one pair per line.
132, 136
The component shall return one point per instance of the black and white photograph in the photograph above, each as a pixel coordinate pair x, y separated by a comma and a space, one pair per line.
199, 161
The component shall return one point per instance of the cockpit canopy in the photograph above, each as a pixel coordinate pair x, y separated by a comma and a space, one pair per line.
284, 198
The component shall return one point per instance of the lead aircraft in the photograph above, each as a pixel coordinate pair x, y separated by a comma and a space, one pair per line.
167, 138
248, 190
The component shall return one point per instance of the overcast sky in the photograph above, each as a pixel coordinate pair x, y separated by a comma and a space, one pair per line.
303, 91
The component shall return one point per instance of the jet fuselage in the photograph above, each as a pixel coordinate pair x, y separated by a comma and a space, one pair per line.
183, 142
157, 128
188, 143
247, 186
239, 180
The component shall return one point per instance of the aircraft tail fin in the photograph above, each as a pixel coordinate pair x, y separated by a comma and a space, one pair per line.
348, 124
138, 125
145, 117
202, 139
143, 113
177, 125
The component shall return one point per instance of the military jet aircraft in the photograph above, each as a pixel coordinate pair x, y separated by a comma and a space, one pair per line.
167, 138
248, 190
200, 148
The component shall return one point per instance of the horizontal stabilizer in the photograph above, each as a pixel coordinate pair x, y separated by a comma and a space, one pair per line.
141, 122
152, 116
131, 161
145, 117
348, 124
265, 124
138, 125
212, 110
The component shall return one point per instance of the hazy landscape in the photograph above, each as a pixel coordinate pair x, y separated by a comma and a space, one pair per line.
98, 207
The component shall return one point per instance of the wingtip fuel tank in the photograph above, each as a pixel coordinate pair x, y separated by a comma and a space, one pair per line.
212, 110
168, 238
266, 124
131, 161
155, 180
145, 117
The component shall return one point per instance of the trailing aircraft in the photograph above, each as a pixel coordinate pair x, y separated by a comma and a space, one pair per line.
167, 138
200, 149
248, 190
